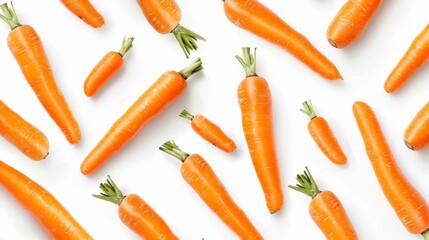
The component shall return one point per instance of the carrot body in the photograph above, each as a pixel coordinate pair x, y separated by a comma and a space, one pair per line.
409, 205
351, 21
85, 11
28, 139
53, 217
163, 15
416, 55
416, 136
212, 133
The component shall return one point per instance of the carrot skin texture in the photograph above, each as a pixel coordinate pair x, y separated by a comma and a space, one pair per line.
84, 10
409, 205
416, 136
162, 23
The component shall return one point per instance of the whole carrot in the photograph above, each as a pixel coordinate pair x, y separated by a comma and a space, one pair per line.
149, 105
416, 136
323, 136
351, 21
209, 131
409, 205
84, 10
27, 48
53, 217
254, 98
27, 138
106, 68
254, 17
201, 177
325, 209
135, 213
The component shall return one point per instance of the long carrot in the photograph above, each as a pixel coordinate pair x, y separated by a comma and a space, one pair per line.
323, 136
136, 214
325, 209
165, 16
409, 205
149, 105
106, 68
415, 57
351, 21
209, 131
84, 10
201, 177
27, 48
416, 136
27, 138
254, 17
52, 216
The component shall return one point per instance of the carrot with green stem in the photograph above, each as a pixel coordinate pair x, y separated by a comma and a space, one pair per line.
416, 136
201, 177
84, 10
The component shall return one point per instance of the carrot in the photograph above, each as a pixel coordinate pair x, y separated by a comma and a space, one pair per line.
165, 16
27, 138
149, 105
325, 209
209, 131
416, 136
27, 48
254, 98
323, 135
201, 177
254, 17
84, 10
409, 205
53, 217
351, 21
106, 68
416, 55
135, 213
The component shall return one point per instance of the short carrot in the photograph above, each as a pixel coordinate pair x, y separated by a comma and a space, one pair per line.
323, 136
135, 213
325, 209
106, 68
27, 138
53, 217
201, 177
209, 131
84, 10
409, 205
254, 17
254, 98
416, 136
149, 105
27, 48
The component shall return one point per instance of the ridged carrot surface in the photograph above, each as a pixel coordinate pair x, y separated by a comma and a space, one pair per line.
84, 10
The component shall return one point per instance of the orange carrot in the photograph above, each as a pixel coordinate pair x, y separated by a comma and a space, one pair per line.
254, 17
53, 217
209, 131
149, 105
201, 177
136, 214
165, 16
106, 68
27, 138
254, 97
84, 10
27, 48
415, 57
351, 21
409, 205
325, 209
416, 136
323, 135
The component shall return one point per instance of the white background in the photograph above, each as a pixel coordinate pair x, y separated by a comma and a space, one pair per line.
74, 48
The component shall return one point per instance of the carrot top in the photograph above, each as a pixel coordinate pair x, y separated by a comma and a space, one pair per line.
425, 234
186, 39
110, 192
186, 114
9, 15
171, 148
127, 44
248, 62
306, 184
192, 68
308, 109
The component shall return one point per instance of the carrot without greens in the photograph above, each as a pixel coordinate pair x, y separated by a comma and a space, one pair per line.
415, 57
27, 138
254, 17
53, 217
84, 10
149, 105
27, 48
416, 136
106, 68
209, 131
201, 177
409, 205
136, 214
351, 21
165, 16
323, 136
325, 209
254, 98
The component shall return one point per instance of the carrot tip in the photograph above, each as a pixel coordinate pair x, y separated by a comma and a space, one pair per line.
47, 154
409, 145
332, 43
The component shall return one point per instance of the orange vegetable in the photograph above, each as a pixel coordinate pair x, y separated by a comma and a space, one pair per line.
84, 10
416, 136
